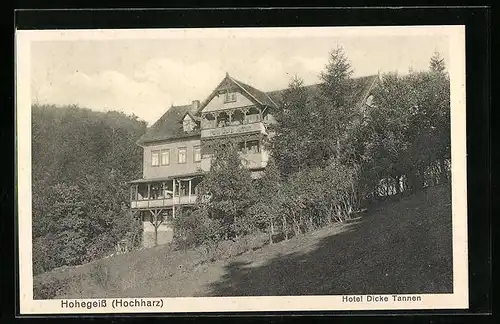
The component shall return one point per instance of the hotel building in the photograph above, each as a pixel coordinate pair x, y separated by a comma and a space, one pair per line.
177, 150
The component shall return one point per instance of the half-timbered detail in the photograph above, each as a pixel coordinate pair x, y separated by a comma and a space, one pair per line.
178, 149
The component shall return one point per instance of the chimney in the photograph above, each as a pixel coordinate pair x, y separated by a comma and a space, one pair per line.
196, 104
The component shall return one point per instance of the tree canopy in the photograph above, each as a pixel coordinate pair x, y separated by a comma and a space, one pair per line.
81, 164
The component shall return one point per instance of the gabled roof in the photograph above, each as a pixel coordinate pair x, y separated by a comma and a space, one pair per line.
361, 88
191, 115
262, 97
256, 95
169, 126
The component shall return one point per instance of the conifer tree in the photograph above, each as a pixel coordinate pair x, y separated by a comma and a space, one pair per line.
291, 143
335, 107
436, 63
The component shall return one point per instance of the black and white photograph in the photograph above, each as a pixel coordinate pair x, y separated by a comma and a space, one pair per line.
241, 169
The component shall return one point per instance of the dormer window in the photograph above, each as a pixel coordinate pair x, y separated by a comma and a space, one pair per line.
230, 97
188, 124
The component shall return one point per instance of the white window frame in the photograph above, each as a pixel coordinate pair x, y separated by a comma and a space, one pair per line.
179, 155
197, 148
229, 97
162, 153
157, 154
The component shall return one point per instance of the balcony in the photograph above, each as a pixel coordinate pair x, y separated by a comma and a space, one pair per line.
163, 193
165, 202
257, 127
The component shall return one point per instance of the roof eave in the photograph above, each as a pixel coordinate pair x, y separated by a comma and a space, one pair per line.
167, 139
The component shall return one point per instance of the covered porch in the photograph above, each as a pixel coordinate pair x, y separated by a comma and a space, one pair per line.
148, 194
231, 117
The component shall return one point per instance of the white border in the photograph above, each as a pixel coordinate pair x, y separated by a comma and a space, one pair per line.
457, 300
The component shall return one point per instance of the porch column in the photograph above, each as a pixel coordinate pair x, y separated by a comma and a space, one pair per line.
163, 192
189, 195
245, 111
149, 191
173, 198
216, 115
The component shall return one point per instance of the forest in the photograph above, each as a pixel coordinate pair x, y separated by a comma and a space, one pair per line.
328, 161
82, 161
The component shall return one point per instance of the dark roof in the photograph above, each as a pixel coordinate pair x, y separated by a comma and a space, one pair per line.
169, 126
262, 97
361, 88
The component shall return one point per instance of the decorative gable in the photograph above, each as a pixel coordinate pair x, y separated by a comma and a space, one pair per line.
231, 93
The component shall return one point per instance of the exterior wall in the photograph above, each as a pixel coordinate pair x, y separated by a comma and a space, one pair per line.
165, 234
174, 168
250, 160
217, 103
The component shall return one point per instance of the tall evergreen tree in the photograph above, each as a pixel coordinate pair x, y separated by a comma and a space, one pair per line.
436, 63
292, 141
335, 106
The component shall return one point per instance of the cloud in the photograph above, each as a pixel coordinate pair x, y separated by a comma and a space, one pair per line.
151, 87
272, 73
107, 90
182, 81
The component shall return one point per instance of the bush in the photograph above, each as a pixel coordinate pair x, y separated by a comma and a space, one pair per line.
195, 228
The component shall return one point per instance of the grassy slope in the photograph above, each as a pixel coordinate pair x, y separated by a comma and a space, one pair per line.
399, 247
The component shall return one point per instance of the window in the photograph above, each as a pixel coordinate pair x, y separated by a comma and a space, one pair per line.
253, 147
197, 154
181, 158
155, 158
230, 97
165, 157
241, 147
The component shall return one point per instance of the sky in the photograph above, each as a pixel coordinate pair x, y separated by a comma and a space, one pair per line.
144, 76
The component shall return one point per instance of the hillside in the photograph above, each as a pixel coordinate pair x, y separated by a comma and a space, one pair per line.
403, 246
81, 163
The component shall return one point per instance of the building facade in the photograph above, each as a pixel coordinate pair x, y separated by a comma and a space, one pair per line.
177, 149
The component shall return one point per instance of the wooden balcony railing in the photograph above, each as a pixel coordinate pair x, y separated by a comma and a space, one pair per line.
166, 202
234, 129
